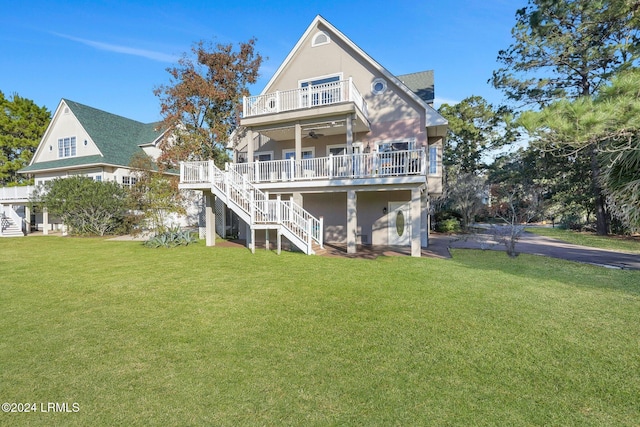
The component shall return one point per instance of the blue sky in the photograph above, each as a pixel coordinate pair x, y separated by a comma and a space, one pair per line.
112, 54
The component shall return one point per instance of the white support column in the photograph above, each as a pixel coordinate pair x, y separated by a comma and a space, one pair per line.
415, 222
249, 145
279, 241
298, 142
27, 219
424, 219
210, 218
266, 231
278, 220
45, 221
352, 221
253, 240
349, 134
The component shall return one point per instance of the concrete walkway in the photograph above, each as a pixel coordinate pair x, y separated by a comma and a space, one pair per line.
534, 244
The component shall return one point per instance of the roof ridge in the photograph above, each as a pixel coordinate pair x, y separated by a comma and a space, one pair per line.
97, 110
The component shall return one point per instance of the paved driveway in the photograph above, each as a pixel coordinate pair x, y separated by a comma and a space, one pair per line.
534, 244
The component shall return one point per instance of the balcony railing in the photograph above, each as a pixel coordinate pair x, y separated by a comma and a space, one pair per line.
307, 97
16, 193
349, 166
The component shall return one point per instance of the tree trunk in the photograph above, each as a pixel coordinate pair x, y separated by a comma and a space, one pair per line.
602, 216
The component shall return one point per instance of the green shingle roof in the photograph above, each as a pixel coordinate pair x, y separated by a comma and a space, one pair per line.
420, 83
117, 138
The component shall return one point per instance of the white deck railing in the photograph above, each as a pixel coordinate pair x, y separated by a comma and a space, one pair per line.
307, 97
241, 194
16, 193
363, 165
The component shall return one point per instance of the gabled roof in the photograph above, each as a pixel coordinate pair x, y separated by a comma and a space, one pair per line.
433, 117
421, 83
117, 138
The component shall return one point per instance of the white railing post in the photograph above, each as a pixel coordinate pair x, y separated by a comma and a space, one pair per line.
376, 163
252, 208
309, 235
321, 232
330, 165
256, 171
423, 162
278, 210
292, 168
182, 172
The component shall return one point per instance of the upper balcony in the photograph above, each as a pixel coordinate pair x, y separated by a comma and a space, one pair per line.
334, 98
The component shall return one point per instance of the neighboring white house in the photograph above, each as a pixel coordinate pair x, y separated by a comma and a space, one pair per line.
335, 149
80, 140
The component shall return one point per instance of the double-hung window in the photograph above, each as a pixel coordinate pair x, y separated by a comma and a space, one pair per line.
433, 160
67, 147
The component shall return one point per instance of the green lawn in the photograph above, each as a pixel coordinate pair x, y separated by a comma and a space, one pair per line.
615, 243
218, 336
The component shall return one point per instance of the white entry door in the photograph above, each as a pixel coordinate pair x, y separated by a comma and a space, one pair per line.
399, 223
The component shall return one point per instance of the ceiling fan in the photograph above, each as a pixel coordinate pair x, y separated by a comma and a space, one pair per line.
314, 135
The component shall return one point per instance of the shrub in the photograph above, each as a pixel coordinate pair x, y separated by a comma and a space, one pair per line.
84, 205
451, 225
171, 238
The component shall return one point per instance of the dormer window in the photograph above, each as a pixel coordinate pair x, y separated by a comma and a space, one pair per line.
67, 147
320, 38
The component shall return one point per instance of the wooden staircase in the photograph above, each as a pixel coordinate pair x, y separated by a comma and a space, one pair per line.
290, 220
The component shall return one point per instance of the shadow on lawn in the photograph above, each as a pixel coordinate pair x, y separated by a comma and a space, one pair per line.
545, 268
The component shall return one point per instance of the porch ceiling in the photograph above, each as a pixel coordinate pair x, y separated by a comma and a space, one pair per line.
324, 121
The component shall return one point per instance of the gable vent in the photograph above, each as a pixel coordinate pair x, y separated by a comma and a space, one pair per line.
320, 38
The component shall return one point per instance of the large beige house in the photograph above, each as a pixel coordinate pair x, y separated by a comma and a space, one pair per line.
80, 140
336, 149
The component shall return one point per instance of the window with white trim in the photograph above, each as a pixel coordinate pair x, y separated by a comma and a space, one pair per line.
321, 89
433, 160
307, 153
128, 181
337, 150
399, 145
264, 156
378, 86
67, 147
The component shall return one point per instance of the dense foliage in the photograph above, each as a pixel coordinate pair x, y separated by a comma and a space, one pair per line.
22, 124
155, 196
85, 206
609, 121
201, 102
565, 50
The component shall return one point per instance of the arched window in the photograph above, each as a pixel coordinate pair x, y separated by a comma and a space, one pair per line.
320, 38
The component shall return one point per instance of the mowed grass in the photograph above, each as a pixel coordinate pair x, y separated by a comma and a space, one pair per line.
218, 336
614, 243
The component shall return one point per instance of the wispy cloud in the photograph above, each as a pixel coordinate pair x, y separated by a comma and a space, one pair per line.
439, 101
127, 50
